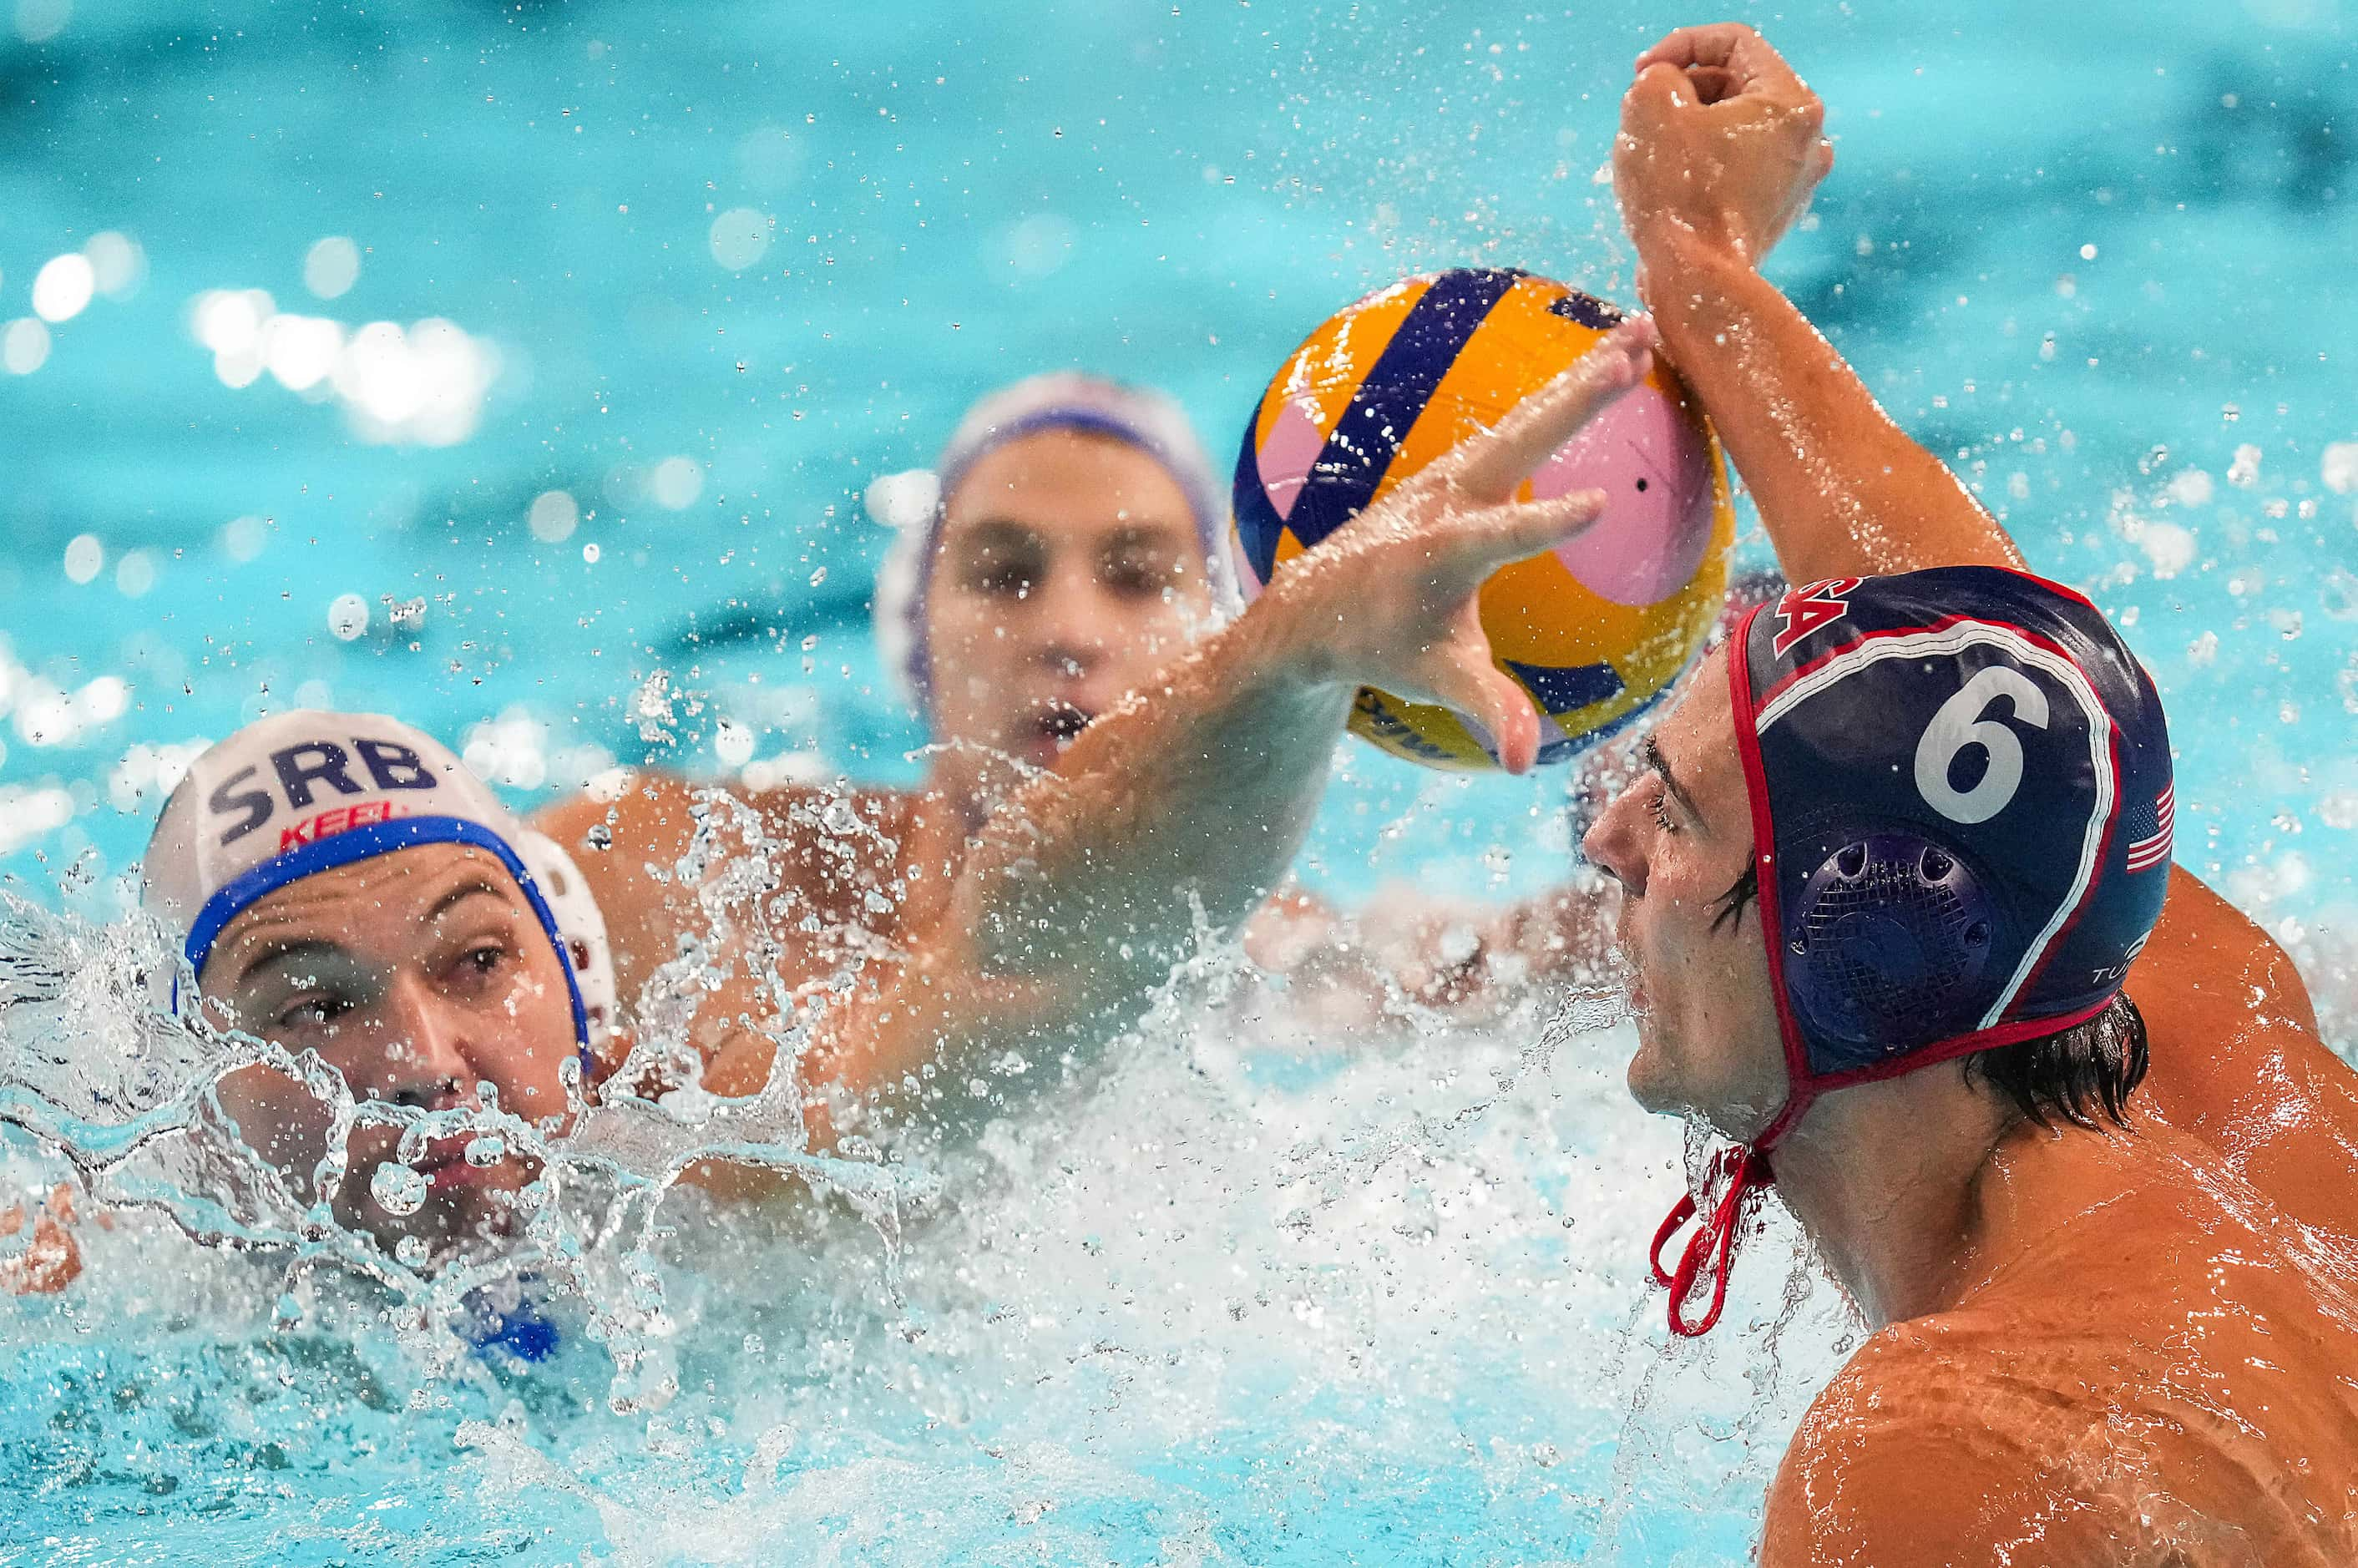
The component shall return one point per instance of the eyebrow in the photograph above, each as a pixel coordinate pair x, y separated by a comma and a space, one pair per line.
1651, 755
463, 891
997, 532
320, 947
1151, 533
290, 954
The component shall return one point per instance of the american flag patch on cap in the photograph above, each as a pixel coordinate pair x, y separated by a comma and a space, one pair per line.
2149, 830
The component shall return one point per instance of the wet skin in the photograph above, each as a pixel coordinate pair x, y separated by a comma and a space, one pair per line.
1069, 594
2092, 1347
2199, 1365
1066, 574
417, 976
2146, 1363
1676, 840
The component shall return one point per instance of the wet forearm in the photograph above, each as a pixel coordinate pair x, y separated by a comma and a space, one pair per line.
1842, 489
1183, 807
1171, 815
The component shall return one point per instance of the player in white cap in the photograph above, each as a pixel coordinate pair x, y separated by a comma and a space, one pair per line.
341, 883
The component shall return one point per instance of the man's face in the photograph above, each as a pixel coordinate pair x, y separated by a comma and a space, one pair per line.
1677, 840
417, 975
1069, 572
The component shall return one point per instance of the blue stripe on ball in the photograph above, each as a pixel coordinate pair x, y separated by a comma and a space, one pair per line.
1561, 689
1388, 401
1586, 309
1258, 526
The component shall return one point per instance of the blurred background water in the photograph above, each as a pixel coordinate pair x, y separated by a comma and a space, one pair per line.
478, 364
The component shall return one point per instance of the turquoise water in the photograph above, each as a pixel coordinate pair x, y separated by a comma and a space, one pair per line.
2098, 257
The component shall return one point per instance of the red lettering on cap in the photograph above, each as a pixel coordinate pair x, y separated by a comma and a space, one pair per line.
1810, 609
335, 821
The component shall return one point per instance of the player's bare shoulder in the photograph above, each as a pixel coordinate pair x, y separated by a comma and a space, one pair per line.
1931, 1448
652, 845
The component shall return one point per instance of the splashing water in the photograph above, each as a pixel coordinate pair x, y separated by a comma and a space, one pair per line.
1230, 1302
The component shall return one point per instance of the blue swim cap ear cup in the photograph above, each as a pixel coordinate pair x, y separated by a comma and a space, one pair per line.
1884, 949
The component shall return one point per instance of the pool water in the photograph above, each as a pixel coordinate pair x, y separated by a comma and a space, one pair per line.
673, 286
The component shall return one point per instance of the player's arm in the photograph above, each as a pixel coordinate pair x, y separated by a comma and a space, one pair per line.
1720, 147
1171, 816
1420, 954
1178, 813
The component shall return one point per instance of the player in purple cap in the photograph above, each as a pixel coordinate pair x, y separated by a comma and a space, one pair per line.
1894, 895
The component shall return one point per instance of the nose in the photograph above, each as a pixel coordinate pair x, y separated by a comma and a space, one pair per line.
1068, 623
428, 1063
1614, 846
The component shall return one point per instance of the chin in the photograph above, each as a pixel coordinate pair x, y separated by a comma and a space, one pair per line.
1649, 1082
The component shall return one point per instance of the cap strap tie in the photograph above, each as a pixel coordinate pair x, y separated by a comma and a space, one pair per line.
1744, 1170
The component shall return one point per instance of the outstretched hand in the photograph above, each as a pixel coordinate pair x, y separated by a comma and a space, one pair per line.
1719, 139
1389, 599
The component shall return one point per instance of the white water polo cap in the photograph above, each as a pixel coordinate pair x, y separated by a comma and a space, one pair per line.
912, 504
301, 792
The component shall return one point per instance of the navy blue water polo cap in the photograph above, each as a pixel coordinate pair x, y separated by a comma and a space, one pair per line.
1962, 812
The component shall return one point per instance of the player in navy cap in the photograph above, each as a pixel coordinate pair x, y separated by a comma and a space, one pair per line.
1894, 909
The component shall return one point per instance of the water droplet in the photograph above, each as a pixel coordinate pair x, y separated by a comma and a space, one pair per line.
397, 1189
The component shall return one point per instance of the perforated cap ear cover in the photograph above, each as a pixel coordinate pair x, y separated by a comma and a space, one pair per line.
1993, 715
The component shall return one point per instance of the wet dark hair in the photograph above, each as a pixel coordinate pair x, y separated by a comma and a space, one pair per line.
2073, 1075
1728, 907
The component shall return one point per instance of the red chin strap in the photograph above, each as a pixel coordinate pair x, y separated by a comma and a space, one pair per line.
1712, 1245
1737, 1173
1743, 1170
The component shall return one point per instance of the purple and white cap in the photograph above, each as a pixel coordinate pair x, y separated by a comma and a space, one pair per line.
297, 793
1060, 400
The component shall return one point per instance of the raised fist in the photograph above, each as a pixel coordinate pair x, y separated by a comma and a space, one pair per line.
1719, 141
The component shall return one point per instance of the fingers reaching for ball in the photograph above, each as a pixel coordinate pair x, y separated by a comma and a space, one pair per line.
1391, 507
1459, 674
